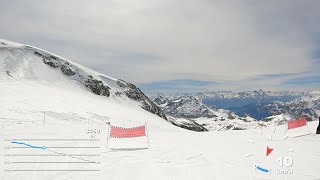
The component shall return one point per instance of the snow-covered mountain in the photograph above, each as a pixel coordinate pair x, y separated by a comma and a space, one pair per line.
190, 112
255, 94
236, 99
30, 63
40, 103
262, 104
259, 104
308, 106
185, 106
260, 108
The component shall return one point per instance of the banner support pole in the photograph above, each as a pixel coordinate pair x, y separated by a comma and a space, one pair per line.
147, 134
108, 136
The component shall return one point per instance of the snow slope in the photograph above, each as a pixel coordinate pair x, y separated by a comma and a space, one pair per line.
175, 153
24, 62
58, 107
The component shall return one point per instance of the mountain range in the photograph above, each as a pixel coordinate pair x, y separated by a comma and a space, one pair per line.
237, 110
220, 110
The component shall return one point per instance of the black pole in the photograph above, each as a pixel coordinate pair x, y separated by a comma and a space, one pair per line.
318, 129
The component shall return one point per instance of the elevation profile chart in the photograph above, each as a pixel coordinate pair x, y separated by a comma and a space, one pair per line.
48, 153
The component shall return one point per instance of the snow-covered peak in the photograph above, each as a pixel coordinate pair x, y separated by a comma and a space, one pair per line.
185, 106
6, 43
250, 94
161, 100
24, 63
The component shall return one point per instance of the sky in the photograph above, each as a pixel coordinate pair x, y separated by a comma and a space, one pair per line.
178, 45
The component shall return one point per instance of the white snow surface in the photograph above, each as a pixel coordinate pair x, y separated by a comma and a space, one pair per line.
55, 107
21, 63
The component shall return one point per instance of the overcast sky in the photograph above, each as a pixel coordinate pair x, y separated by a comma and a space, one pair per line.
187, 45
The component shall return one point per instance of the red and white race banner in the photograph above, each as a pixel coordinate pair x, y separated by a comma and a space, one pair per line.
297, 123
120, 132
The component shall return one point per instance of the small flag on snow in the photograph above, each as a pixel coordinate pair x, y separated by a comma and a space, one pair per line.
122, 138
120, 132
297, 128
297, 123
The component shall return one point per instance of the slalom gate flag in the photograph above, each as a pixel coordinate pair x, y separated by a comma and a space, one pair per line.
297, 123
120, 132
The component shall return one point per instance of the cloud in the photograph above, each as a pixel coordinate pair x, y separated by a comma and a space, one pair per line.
144, 41
174, 86
303, 81
277, 76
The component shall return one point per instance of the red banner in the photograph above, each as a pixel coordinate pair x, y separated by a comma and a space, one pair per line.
297, 123
120, 132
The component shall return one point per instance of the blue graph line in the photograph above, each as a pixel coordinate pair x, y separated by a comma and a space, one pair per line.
29, 145
261, 169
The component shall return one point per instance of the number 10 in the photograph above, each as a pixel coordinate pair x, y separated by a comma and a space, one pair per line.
287, 161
